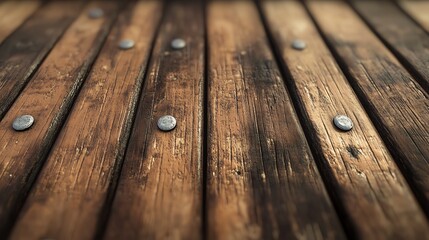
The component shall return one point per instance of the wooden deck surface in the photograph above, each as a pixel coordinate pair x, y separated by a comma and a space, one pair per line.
255, 153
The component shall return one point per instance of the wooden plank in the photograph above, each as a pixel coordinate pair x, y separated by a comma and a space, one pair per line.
160, 191
367, 187
71, 195
399, 107
23, 51
48, 97
263, 182
405, 39
418, 10
13, 14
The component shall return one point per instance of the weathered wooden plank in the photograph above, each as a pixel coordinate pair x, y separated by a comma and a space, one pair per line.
367, 187
406, 40
263, 182
13, 14
418, 10
73, 190
23, 51
399, 107
48, 98
160, 191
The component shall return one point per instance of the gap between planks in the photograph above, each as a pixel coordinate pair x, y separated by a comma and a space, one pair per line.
48, 97
400, 34
72, 190
26, 48
159, 195
397, 104
262, 181
361, 174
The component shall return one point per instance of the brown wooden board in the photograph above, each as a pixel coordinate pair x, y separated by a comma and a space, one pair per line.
262, 180
418, 10
159, 195
23, 51
370, 193
398, 105
13, 14
407, 40
47, 97
73, 190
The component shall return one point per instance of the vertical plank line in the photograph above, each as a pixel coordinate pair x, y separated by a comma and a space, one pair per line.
349, 230
61, 120
205, 123
407, 65
38, 61
144, 71
396, 154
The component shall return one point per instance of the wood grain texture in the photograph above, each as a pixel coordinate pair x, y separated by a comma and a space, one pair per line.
23, 51
408, 41
418, 10
47, 97
13, 14
398, 105
159, 195
263, 182
371, 194
70, 196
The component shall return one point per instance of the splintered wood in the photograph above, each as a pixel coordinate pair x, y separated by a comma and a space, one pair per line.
255, 88
362, 175
262, 179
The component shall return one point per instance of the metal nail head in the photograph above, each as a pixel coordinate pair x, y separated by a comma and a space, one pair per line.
126, 44
166, 123
343, 122
23, 122
178, 43
96, 13
299, 44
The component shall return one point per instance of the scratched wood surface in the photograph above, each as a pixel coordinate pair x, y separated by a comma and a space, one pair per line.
262, 178
23, 51
406, 39
398, 105
75, 186
255, 153
160, 191
48, 97
365, 182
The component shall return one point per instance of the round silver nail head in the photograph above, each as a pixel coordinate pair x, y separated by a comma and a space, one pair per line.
299, 44
343, 122
23, 122
96, 13
166, 123
178, 43
126, 44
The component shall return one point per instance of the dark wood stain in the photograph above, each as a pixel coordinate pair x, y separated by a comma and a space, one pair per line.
353, 151
25, 158
250, 157
23, 51
90, 149
258, 157
398, 106
404, 38
160, 189
358, 188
